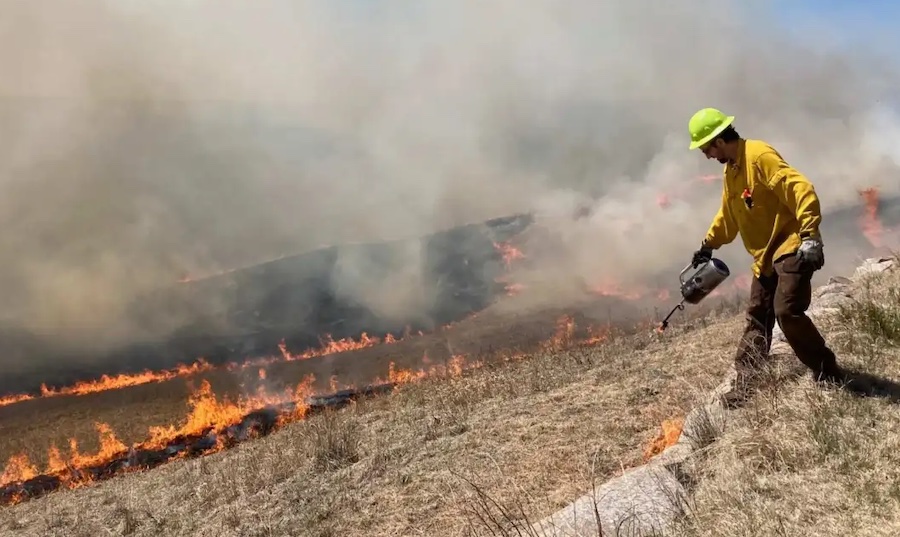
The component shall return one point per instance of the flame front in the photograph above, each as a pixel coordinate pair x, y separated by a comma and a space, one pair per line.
15, 398
107, 382
328, 345
208, 413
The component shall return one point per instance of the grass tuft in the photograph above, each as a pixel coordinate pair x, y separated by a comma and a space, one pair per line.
335, 441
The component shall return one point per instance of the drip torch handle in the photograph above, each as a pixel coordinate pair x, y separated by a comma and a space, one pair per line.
684, 271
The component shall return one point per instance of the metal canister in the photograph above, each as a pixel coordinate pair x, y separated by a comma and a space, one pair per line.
708, 276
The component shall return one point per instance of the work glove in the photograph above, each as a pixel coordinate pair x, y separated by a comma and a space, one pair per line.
811, 253
701, 256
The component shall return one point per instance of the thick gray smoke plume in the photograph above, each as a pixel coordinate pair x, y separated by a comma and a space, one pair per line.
146, 141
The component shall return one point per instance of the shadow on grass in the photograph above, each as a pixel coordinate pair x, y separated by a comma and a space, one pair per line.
868, 385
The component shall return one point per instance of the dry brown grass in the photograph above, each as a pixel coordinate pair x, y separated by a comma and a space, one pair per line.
803, 460
531, 434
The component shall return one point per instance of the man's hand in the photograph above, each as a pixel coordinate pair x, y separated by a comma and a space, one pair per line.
811, 253
701, 256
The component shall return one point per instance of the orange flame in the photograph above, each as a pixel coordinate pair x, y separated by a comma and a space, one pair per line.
668, 436
597, 334
509, 253
564, 334
15, 398
19, 468
110, 446
56, 464
613, 289
869, 222
106, 382
329, 346
207, 412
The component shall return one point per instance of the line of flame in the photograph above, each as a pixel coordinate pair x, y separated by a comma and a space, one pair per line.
209, 412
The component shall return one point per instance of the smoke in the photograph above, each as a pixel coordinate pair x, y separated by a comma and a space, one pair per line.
146, 141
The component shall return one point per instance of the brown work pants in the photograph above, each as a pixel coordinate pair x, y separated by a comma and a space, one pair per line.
783, 297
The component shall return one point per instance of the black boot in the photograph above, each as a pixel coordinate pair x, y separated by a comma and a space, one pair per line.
829, 375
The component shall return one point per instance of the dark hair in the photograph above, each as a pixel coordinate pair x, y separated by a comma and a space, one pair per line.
729, 135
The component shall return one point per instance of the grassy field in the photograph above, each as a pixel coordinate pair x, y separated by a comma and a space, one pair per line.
518, 440
531, 433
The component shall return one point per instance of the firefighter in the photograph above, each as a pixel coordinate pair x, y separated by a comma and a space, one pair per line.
776, 211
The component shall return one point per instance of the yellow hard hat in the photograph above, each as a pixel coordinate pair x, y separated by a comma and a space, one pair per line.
706, 125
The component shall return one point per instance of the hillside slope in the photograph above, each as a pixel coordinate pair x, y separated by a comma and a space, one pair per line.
530, 433
519, 440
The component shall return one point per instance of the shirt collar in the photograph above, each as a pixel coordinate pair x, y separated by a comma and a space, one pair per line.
740, 155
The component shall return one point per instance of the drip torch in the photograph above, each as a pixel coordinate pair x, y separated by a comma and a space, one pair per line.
694, 289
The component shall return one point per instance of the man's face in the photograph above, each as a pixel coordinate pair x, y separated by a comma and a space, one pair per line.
715, 149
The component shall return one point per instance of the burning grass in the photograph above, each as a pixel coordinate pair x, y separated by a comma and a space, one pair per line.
506, 252
530, 428
803, 460
328, 345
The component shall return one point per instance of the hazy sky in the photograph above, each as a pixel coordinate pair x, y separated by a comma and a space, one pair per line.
868, 22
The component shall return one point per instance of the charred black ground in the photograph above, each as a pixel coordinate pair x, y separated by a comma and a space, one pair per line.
291, 299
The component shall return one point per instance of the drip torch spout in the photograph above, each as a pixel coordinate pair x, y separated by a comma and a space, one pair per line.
665, 322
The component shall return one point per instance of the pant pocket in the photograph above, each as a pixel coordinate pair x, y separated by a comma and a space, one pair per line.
793, 264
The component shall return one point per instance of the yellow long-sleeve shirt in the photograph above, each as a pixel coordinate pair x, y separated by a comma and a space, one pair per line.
785, 206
